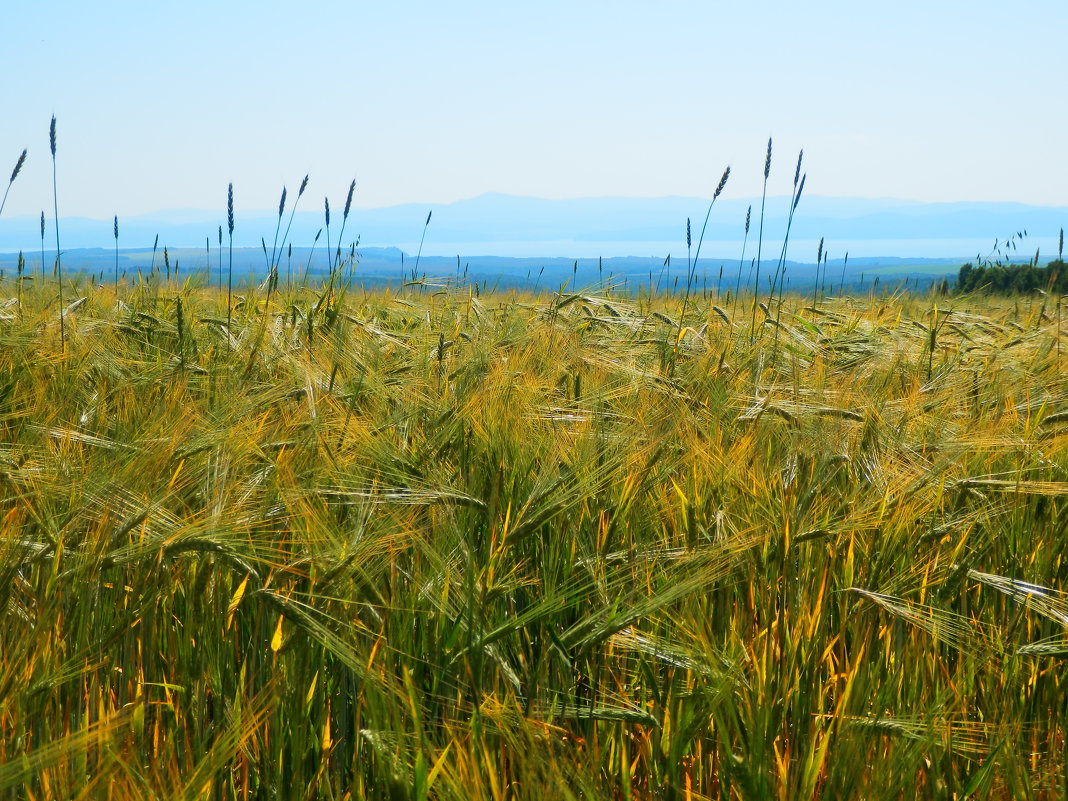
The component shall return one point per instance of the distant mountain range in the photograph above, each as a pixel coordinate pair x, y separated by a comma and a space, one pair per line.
505, 225
526, 240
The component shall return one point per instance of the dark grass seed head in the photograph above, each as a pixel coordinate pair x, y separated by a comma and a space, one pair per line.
282, 202
722, 183
52, 135
18, 167
348, 200
800, 189
748, 215
230, 208
767, 161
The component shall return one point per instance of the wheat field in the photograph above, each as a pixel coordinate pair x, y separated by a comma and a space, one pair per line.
320, 543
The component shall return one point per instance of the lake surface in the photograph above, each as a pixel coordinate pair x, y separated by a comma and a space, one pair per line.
801, 250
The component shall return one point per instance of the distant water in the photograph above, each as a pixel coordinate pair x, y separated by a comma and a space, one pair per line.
803, 250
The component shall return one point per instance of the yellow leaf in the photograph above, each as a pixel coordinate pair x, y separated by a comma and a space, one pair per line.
238, 595
327, 742
174, 478
276, 640
438, 765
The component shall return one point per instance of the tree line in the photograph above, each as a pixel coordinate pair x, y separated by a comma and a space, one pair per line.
1013, 278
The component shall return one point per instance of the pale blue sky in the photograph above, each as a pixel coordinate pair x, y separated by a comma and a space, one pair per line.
159, 105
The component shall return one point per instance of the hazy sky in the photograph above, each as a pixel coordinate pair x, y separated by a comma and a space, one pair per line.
160, 104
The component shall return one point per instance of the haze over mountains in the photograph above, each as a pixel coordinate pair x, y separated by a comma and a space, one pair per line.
510, 226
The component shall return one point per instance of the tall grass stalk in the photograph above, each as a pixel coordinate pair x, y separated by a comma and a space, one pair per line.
14, 174
335, 259
823, 283
781, 270
344, 220
308, 263
741, 261
329, 252
419, 252
230, 270
277, 229
795, 195
115, 230
19, 278
692, 266
289, 225
59, 256
760, 243
816, 283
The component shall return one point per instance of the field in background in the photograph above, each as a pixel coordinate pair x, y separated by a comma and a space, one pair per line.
579, 545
